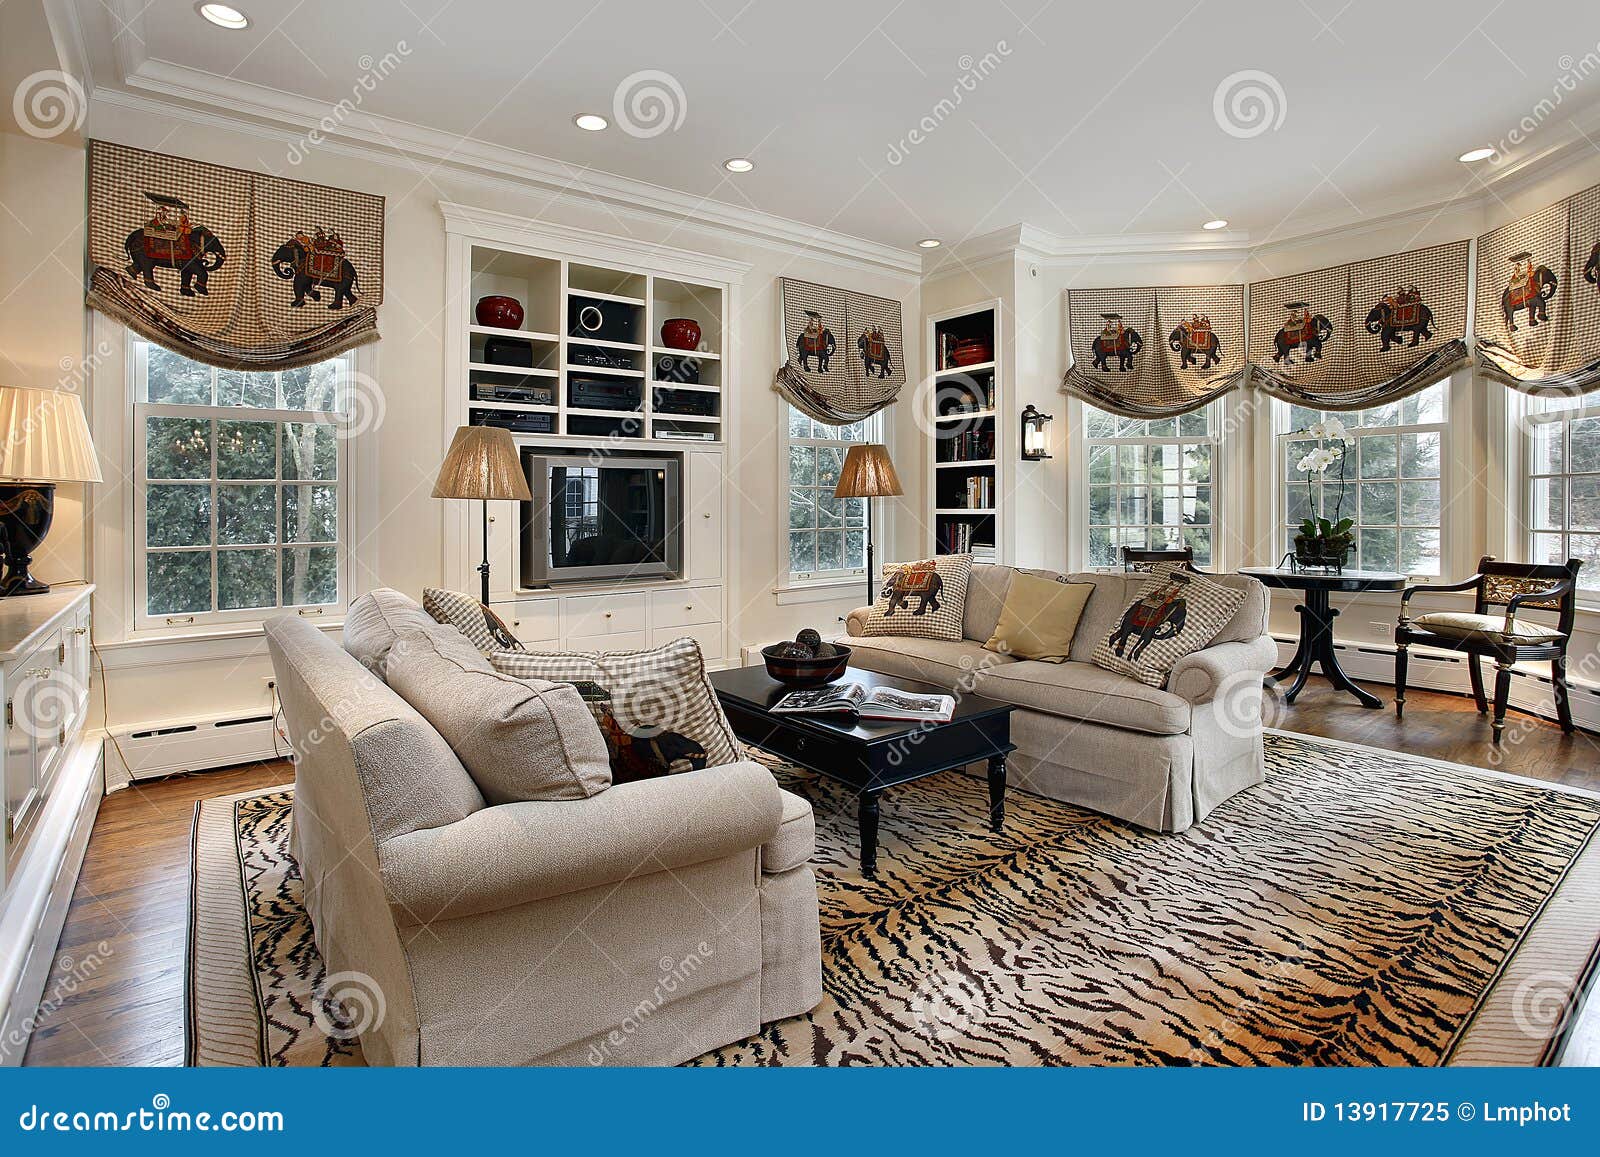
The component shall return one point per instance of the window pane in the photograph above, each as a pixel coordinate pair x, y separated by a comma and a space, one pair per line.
1099, 424
855, 512
247, 388
1100, 552
1197, 423
799, 424
1199, 538
178, 448
1300, 417
802, 466
310, 514
1099, 505
178, 584
1549, 444
247, 515
1379, 549
830, 549
310, 450
1101, 463
802, 508
1585, 445
1419, 551
1297, 448
855, 549
310, 575
830, 510
1419, 455
1379, 456
802, 550
247, 450
1380, 504
1549, 548
1197, 463
1586, 547
1299, 504
1586, 503
830, 460
246, 579
178, 516
1421, 409
314, 387
175, 380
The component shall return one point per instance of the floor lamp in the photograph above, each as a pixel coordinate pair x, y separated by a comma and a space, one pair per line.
867, 474
482, 463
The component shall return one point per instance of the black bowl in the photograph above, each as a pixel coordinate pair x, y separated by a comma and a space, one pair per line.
805, 672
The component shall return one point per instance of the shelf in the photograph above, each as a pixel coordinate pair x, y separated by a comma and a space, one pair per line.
596, 295
583, 369
631, 346
703, 419
520, 407
693, 389
698, 355
975, 368
617, 414
973, 510
514, 371
966, 415
970, 462
525, 334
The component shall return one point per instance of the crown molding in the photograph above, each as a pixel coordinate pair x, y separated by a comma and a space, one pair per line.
66, 35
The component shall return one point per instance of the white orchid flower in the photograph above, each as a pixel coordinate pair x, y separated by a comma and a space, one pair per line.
1334, 430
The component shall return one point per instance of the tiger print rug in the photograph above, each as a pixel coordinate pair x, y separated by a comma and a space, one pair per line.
1360, 907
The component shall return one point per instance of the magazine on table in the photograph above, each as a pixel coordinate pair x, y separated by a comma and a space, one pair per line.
878, 703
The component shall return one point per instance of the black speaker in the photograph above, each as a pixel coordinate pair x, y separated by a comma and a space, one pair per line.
685, 371
598, 320
508, 351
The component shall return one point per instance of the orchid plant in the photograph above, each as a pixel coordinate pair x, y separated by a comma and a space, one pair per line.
1332, 436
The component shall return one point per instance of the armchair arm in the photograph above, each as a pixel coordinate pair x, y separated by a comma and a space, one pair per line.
520, 852
855, 623
1515, 602
1405, 595
1200, 675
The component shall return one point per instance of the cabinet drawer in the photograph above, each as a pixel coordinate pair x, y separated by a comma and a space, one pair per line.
708, 636
532, 620
618, 641
603, 614
683, 608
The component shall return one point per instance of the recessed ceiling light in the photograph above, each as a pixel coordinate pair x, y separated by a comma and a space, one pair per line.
223, 16
1219, 223
929, 243
591, 122
1471, 155
738, 165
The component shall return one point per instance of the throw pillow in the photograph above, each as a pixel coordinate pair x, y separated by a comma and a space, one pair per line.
921, 600
1173, 614
1461, 625
1039, 617
466, 614
520, 739
660, 697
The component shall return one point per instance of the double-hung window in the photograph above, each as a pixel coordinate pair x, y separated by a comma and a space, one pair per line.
827, 535
1562, 503
1151, 484
240, 495
1392, 480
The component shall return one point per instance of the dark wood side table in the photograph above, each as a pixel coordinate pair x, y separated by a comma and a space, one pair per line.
1316, 621
870, 755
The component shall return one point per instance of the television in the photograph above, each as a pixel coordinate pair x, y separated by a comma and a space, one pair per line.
598, 516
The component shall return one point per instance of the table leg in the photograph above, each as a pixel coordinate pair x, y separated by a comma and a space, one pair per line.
1316, 643
1305, 654
997, 792
867, 815
1328, 658
1296, 664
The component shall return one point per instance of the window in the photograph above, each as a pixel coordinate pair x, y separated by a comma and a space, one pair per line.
1392, 476
1151, 483
827, 535
240, 502
1563, 499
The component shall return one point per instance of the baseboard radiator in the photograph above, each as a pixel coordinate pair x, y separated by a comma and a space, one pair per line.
153, 751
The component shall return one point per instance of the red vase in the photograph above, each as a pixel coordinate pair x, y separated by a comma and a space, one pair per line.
503, 312
680, 333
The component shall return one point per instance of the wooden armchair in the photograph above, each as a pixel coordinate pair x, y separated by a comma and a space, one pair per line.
1136, 558
1512, 585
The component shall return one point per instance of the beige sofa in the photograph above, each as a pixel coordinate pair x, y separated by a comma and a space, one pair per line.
643, 925
1161, 758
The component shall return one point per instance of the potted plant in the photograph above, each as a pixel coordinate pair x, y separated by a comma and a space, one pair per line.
1324, 540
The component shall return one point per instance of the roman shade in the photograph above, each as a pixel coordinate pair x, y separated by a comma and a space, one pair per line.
1363, 334
1155, 352
845, 354
235, 269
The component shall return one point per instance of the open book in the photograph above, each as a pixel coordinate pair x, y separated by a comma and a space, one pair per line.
855, 699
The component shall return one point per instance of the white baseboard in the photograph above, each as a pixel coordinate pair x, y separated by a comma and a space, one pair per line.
198, 744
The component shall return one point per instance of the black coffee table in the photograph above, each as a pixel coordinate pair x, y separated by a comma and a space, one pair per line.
871, 755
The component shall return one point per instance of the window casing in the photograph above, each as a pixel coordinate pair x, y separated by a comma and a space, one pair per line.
1395, 480
1151, 484
240, 501
1561, 500
826, 536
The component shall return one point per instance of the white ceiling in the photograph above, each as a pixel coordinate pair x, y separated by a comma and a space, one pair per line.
1092, 118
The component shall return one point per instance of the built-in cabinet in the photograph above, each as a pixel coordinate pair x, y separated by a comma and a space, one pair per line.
970, 441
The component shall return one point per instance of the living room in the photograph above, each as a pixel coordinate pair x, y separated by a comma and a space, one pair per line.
1167, 416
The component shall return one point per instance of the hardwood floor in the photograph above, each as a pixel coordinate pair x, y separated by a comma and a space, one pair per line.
130, 910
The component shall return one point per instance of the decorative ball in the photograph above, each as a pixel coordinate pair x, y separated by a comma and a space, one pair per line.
809, 637
795, 651
825, 651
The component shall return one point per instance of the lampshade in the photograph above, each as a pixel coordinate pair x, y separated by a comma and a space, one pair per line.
44, 437
867, 473
482, 463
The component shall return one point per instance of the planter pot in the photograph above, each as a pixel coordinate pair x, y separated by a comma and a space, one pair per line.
680, 333
1322, 553
502, 312
970, 351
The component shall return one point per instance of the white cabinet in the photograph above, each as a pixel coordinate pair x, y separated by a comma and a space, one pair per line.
702, 516
583, 616
619, 620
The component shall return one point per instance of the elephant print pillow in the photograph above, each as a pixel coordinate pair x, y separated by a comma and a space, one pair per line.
1175, 613
921, 600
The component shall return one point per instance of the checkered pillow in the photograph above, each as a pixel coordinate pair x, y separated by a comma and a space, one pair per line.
1175, 613
921, 600
466, 614
665, 688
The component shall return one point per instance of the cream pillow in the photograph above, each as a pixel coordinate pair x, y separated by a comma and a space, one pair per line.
1039, 617
1461, 625
921, 600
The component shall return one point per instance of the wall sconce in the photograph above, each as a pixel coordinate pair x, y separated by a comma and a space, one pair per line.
1035, 434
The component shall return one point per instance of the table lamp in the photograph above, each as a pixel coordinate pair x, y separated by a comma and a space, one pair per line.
482, 463
868, 473
44, 439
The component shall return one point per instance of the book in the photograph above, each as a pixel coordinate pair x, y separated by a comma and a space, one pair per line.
879, 703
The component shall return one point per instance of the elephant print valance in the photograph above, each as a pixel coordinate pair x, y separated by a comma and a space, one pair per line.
1155, 352
846, 357
1538, 312
1363, 334
236, 269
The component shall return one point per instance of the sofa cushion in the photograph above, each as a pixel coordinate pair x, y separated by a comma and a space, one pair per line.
922, 599
796, 838
1084, 691
375, 620
986, 594
1176, 612
521, 740
1492, 628
1039, 617
943, 662
466, 614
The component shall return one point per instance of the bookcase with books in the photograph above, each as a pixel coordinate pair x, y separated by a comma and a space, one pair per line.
967, 440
